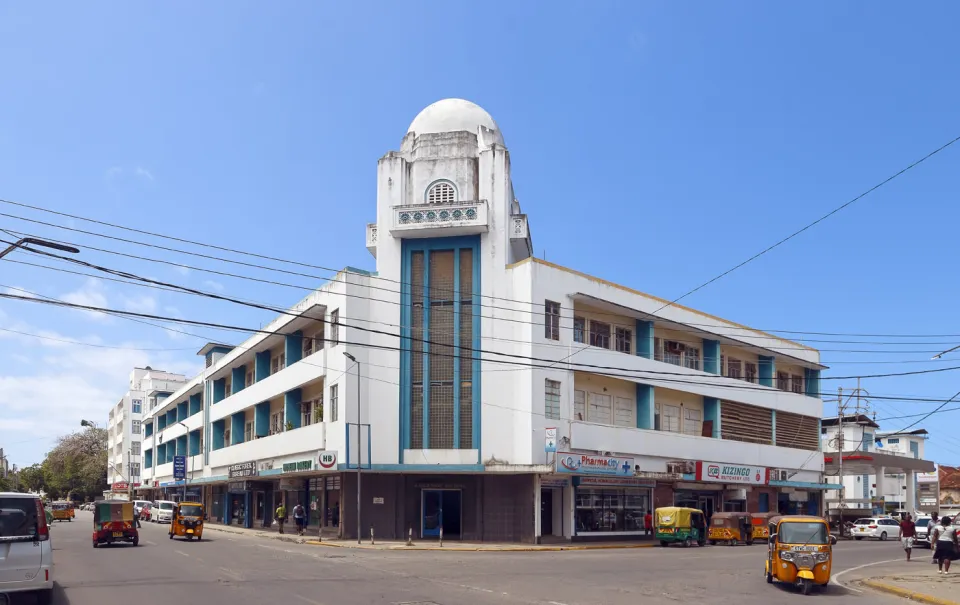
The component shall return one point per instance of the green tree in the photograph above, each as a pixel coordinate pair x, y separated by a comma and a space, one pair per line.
77, 467
31, 478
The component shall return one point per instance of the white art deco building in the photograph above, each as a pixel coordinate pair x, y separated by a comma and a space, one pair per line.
500, 397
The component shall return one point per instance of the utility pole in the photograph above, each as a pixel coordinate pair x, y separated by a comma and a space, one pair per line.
843, 487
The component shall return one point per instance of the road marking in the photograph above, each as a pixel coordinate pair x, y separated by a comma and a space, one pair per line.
311, 601
836, 582
150, 543
180, 552
233, 575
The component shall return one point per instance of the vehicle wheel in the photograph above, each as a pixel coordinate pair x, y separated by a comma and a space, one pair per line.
171, 536
94, 543
663, 543
136, 541
687, 543
713, 542
883, 537
199, 538
733, 542
767, 572
806, 586
858, 539
45, 597
189, 538
70, 520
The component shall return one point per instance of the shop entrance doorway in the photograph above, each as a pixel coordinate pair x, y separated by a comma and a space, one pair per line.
441, 508
546, 512
708, 504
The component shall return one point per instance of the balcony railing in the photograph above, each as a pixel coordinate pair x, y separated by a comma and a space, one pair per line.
465, 217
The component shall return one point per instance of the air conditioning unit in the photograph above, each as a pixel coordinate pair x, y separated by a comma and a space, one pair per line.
780, 475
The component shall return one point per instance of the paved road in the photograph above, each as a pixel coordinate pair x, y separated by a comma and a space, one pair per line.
240, 570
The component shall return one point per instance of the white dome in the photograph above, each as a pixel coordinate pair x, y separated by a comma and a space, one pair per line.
454, 115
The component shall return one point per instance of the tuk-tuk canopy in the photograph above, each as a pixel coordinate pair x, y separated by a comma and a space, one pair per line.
62, 505
675, 516
107, 511
730, 519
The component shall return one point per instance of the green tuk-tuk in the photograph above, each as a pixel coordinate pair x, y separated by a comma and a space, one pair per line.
677, 524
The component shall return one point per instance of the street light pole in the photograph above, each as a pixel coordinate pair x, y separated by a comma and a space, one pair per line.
38, 242
359, 443
184, 497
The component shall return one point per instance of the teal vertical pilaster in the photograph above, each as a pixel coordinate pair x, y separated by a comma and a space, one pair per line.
711, 412
162, 453
711, 356
182, 411
196, 403
773, 427
194, 443
238, 379
182, 445
645, 338
172, 417
645, 406
217, 429
291, 407
768, 370
219, 390
293, 347
811, 379
148, 459
261, 419
456, 349
261, 366
236, 428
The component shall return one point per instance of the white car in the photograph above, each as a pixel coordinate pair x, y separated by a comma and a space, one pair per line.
879, 528
26, 564
923, 531
162, 511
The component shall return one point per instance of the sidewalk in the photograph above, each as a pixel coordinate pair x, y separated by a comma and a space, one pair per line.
926, 587
331, 541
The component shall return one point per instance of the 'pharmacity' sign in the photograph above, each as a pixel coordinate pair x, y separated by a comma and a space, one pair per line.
588, 464
719, 472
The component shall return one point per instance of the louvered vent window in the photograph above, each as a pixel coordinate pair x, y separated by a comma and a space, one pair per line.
441, 193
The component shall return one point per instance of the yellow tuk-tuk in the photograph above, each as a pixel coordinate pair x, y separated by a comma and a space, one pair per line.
800, 551
63, 510
187, 521
676, 524
760, 522
732, 528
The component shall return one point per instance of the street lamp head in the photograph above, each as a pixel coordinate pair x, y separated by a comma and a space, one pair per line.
350, 357
87, 423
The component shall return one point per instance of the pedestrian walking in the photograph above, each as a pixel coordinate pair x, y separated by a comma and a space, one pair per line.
934, 521
648, 523
908, 532
136, 516
945, 538
281, 516
300, 516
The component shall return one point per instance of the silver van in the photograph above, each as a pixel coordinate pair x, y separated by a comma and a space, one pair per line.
26, 556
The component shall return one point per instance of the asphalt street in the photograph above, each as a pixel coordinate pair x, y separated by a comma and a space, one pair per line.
242, 570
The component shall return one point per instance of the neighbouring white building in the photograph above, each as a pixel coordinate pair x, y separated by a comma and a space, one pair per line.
498, 396
880, 471
147, 388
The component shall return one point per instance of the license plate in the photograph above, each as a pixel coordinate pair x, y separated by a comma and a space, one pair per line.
189, 531
118, 534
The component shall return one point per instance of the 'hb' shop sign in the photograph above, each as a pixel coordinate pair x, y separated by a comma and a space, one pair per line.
719, 472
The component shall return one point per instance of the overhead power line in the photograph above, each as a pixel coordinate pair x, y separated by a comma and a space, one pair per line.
348, 271
813, 224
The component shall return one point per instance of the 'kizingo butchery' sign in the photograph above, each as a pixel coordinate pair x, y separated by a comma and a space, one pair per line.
719, 472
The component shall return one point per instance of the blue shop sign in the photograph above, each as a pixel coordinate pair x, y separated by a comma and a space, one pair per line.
588, 464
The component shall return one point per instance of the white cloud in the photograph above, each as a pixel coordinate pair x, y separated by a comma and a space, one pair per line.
144, 173
182, 270
213, 285
91, 294
141, 304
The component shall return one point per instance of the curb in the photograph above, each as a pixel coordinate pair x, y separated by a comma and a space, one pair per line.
484, 548
906, 593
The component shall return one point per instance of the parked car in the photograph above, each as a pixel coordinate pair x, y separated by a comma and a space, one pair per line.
879, 528
923, 532
163, 511
25, 539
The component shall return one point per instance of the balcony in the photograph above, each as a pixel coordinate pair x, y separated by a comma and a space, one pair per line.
305, 439
440, 219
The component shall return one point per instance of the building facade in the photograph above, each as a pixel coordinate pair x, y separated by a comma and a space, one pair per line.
147, 389
483, 392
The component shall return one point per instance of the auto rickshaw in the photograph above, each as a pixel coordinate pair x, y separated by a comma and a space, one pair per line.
113, 522
63, 510
800, 551
187, 521
677, 524
732, 528
760, 522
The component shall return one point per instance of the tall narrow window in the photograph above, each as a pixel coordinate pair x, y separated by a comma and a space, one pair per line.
335, 327
579, 330
334, 400
750, 372
623, 340
734, 368
670, 418
783, 381
135, 448
579, 405
441, 193
135, 427
551, 320
551, 404
625, 412
796, 384
692, 422
600, 409
599, 334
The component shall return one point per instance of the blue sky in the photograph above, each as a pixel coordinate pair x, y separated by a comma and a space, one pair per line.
655, 144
